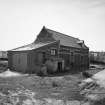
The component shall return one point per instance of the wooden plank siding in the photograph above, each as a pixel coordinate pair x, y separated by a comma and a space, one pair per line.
74, 56
17, 61
37, 57
20, 61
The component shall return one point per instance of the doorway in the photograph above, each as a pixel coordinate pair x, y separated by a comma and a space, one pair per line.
59, 66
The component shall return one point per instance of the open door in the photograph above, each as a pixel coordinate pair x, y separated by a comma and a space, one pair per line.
59, 66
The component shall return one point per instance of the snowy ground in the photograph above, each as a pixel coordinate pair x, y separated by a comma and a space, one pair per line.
24, 89
9, 73
93, 88
19, 89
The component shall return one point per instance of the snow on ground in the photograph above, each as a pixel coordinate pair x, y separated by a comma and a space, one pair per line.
100, 75
93, 88
27, 97
99, 78
9, 73
35, 90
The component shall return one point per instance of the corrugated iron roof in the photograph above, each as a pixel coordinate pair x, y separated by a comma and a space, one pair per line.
32, 46
66, 40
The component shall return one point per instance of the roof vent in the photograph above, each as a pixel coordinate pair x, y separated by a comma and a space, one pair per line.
80, 42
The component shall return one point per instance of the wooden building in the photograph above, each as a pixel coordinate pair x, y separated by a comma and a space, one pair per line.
52, 49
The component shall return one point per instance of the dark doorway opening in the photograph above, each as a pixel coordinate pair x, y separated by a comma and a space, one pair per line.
59, 66
44, 57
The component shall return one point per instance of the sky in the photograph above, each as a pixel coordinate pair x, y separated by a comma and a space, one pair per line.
22, 20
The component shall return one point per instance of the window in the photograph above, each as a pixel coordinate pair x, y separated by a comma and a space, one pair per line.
53, 51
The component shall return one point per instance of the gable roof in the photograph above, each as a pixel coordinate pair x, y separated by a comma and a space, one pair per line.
53, 36
67, 40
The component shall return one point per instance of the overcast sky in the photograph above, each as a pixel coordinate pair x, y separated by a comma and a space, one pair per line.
22, 20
